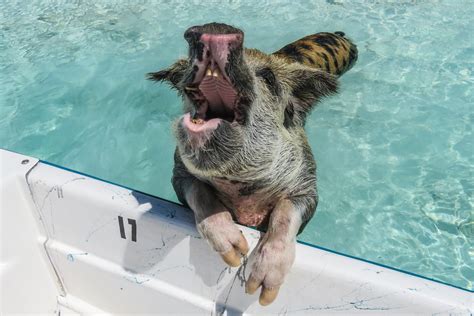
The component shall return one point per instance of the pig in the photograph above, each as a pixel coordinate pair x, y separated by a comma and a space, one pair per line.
242, 154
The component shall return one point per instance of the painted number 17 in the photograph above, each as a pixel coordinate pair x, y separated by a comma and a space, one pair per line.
132, 223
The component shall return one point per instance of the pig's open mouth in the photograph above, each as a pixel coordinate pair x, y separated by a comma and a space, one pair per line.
213, 96
211, 91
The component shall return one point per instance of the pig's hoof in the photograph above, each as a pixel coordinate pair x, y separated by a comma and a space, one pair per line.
224, 237
267, 295
270, 263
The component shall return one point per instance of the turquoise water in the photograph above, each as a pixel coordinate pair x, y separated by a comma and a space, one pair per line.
394, 148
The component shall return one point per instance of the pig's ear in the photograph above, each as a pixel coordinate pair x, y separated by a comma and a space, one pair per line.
172, 75
307, 88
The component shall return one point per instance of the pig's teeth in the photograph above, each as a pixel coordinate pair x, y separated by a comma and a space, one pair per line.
216, 73
198, 121
208, 72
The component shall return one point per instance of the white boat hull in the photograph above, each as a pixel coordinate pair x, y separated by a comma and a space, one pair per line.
75, 244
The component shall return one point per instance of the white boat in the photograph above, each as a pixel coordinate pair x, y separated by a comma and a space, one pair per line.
72, 243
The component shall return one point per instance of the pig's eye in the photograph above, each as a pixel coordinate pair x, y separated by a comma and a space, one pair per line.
270, 80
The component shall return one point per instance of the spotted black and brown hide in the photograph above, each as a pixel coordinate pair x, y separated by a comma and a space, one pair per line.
331, 52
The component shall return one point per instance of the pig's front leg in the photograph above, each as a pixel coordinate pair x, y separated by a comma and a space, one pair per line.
274, 255
213, 220
214, 223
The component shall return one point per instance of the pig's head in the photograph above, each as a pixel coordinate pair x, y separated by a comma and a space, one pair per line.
239, 103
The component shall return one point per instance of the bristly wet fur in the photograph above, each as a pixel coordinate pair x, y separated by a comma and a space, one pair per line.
257, 168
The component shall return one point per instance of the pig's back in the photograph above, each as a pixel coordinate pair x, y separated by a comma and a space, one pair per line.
330, 52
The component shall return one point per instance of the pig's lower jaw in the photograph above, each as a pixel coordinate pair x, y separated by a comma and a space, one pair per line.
198, 127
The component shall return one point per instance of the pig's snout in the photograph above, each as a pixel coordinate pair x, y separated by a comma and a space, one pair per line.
210, 48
